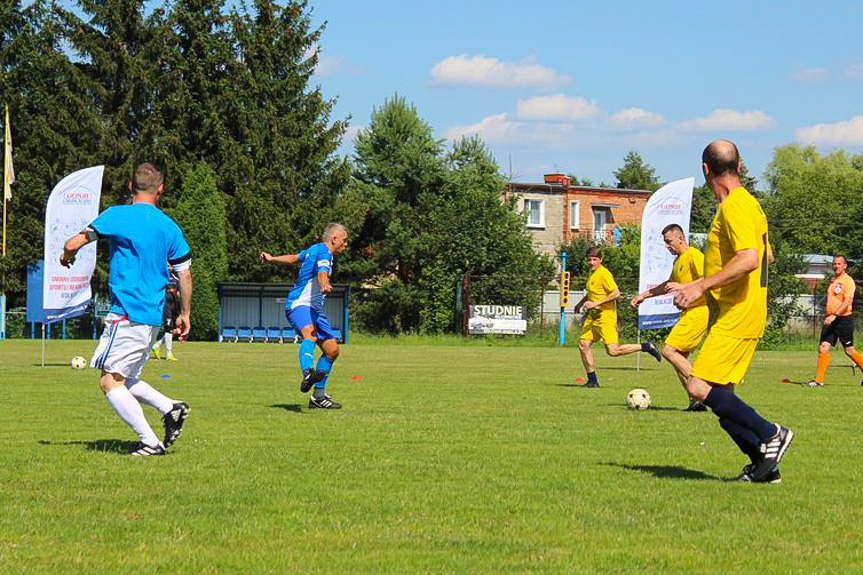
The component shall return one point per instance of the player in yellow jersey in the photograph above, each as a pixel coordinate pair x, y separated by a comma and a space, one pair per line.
838, 321
735, 278
601, 321
687, 334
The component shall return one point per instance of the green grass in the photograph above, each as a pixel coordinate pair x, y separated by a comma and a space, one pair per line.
445, 459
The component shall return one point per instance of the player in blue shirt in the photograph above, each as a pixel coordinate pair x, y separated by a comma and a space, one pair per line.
305, 310
142, 239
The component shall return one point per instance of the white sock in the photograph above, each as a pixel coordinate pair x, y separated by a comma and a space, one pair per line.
129, 410
169, 342
145, 393
158, 344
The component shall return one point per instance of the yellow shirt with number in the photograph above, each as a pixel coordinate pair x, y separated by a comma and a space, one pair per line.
739, 224
599, 285
688, 267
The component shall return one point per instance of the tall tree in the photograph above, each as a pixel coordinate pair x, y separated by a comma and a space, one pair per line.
814, 202
635, 174
55, 129
431, 218
201, 215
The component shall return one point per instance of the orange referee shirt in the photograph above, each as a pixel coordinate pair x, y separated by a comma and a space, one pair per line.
840, 288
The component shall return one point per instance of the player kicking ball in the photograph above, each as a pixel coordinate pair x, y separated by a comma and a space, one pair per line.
687, 334
304, 309
142, 238
601, 322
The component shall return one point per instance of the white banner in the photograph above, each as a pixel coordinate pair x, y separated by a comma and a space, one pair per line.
73, 204
670, 204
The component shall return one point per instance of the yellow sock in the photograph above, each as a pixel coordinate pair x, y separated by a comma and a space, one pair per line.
823, 360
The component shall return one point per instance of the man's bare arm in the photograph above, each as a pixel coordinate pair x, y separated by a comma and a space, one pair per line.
75, 243
184, 323
286, 259
743, 262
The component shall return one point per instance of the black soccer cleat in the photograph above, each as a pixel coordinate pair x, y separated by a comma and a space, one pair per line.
310, 378
591, 384
325, 402
695, 406
651, 349
143, 450
746, 475
173, 421
772, 452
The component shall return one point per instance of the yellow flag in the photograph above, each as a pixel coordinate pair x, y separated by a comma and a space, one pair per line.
8, 170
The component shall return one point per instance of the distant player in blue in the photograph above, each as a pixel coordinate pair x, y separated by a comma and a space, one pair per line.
305, 310
142, 239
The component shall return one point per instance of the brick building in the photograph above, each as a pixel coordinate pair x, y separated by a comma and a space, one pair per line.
558, 211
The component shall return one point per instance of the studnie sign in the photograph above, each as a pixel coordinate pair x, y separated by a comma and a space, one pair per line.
497, 319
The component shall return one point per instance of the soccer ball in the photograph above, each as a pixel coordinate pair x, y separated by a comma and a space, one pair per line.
79, 362
638, 399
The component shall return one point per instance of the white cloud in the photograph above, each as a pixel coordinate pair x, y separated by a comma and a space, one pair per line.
351, 133
636, 118
491, 73
855, 71
558, 107
809, 75
503, 129
847, 133
328, 64
730, 120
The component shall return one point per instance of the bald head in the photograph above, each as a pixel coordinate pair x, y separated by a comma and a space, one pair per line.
721, 158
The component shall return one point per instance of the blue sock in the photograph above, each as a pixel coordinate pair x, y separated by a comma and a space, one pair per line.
307, 354
325, 364
591, 377
728, 406
745, 439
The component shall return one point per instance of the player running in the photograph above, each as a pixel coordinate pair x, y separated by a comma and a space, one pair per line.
600, 301
838, 323
687, 334
305, 311
735, 276
142, 239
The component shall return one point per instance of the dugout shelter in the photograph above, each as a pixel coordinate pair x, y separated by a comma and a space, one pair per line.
255, 312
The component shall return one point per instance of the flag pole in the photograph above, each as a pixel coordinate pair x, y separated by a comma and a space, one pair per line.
5, 187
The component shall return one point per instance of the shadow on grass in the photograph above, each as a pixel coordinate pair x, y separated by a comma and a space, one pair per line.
651, 408
39, 364
667, 471
292, 407
106, 445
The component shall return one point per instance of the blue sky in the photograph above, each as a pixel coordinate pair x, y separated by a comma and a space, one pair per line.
574, 85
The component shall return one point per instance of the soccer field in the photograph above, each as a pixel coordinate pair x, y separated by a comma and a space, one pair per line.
445, 459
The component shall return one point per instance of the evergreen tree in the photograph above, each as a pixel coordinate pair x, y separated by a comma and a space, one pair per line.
55, 130
200, 213
635, 174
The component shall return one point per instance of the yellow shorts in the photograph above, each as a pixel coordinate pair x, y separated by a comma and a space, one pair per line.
724, 359
687, 334
600, 326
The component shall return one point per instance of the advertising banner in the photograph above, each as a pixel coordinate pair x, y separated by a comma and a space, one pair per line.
497, 319
73, 204
670, 204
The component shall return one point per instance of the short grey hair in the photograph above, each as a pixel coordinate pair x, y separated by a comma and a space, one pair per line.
331, 229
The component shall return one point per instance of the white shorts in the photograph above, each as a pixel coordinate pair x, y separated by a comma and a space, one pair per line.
124, 346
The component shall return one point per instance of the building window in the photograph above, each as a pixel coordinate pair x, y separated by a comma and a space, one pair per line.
573, 215
535, 213
600, 225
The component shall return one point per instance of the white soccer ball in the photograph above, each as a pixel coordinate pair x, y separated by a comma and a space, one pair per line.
79, 362
638, 399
